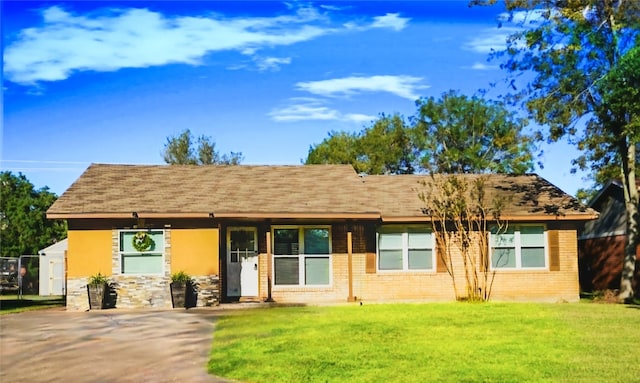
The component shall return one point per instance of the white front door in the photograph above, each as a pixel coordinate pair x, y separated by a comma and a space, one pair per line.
242, 262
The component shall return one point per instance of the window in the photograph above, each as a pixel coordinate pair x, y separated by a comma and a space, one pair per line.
405, 248
519, 247
149, 261
301, 255
242, 243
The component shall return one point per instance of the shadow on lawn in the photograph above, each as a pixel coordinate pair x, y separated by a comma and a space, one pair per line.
7, 303
634, 305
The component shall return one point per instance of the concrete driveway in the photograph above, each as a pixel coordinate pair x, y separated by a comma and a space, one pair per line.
107, 346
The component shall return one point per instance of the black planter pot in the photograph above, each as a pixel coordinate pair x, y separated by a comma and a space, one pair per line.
178, 294
96, 296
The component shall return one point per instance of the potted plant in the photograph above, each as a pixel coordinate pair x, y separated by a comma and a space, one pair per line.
96, 288
180, 283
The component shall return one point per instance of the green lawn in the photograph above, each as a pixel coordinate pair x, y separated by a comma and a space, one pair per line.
449, 342
11, 304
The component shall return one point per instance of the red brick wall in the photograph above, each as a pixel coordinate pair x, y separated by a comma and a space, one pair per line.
600, 261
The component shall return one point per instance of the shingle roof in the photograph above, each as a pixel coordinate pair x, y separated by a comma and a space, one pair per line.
528, 196
611, 188
330, 191
192, 189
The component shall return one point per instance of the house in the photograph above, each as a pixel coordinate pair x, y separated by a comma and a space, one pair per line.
601, 244
51, 261
305, 234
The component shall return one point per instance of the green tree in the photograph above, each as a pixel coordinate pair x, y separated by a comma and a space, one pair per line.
383, 148
182, 150
621, 90
387, 147
338, 148
454, 134
24, 226
458, 134
580, 55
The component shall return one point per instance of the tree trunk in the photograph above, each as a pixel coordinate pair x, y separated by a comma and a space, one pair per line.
631, 207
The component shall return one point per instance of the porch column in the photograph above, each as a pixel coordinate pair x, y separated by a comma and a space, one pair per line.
269, 263
350, 266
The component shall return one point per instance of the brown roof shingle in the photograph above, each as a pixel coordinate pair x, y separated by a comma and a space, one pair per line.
285, 191
193, 189
525, 196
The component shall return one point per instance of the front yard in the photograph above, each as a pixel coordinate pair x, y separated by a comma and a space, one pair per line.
448, 342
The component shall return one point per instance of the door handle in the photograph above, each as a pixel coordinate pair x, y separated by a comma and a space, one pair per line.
255, 266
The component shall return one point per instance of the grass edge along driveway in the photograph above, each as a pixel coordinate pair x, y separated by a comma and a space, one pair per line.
10, 304
436, 342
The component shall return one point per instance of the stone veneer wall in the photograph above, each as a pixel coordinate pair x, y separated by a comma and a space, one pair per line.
77, 295
142, 291
208, 290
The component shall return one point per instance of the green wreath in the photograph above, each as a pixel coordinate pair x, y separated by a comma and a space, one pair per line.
142, 241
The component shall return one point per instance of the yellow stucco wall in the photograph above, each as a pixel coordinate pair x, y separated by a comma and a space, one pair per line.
195, 251
89, 253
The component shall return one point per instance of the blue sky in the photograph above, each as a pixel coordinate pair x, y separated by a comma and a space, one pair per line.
108, 82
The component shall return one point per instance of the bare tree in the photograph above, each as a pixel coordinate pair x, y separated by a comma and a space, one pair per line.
462, 219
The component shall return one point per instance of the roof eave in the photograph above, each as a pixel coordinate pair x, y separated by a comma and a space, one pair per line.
521, 218
226, 215
557, 217
335, 215
126, 215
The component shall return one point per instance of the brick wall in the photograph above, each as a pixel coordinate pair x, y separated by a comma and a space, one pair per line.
552, 286
338, 291
600, 262
559, 283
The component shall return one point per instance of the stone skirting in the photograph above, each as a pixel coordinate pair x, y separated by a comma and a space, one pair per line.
208, 287
77, 296
143, 292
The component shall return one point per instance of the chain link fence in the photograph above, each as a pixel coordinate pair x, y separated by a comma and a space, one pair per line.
20, 275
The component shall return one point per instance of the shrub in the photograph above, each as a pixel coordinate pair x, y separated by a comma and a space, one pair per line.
180, 277
98, 280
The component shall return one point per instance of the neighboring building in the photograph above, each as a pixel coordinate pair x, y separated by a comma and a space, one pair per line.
52, 268
307, 234
602, 242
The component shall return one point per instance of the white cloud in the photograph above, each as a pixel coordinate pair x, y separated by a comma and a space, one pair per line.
308, 108
304, 109
402, 86
390, 20
489, 41
271, 63
356, 117
334, 7
532, 17
495, 39
135, 38
482, 66
300, 112
139, 38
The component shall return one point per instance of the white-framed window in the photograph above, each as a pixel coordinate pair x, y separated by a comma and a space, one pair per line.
405, 248
302, 255
148, 261
519, 247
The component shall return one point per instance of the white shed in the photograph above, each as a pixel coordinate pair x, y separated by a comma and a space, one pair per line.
52, 268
